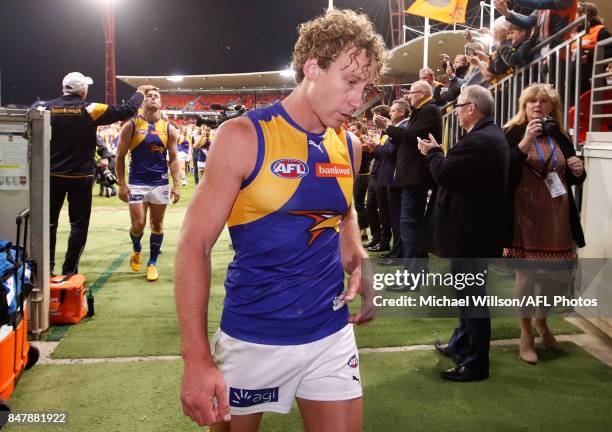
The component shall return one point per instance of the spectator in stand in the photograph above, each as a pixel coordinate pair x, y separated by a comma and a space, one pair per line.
362, 178
548, 18
596, 31
544, 224
517, 52
427, 74
476, 57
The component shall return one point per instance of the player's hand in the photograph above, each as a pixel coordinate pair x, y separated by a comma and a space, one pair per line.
204, 394
360, 282
124, 193
103, 163
175, 194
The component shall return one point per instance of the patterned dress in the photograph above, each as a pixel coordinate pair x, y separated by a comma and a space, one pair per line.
541, 223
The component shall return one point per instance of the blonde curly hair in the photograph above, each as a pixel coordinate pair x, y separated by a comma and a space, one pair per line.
327, 36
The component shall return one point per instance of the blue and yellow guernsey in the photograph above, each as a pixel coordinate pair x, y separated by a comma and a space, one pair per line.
282, 284
148, 148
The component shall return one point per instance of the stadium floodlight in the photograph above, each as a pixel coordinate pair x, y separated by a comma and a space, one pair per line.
175, 78
287, 73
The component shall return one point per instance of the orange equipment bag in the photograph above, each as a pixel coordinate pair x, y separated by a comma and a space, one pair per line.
68, 304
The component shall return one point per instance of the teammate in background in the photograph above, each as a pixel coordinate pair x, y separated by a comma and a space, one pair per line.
148, 137
73, 142
200, 152
282, 179
183, 154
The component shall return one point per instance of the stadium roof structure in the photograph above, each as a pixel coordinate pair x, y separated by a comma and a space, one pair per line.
403, 67
272, 80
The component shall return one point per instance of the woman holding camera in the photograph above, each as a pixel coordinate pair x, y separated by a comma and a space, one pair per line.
544, 226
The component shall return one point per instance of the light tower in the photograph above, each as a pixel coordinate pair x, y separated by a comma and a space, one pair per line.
396, 18
107, 12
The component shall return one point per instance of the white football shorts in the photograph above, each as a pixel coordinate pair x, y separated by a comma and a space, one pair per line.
183, 156
324, 370
151, 194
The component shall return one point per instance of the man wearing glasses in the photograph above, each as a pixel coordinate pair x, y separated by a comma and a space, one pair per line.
465, 220
411, 172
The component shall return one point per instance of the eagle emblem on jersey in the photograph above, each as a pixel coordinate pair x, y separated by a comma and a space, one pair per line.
322, 220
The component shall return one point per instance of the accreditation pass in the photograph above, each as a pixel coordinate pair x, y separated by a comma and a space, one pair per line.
33, 418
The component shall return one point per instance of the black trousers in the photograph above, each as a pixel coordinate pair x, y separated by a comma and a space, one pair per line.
382, 200
472, 338
359, 194
394, 195
78, 191
196, 174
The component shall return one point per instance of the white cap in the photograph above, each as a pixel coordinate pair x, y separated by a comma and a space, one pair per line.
75, 82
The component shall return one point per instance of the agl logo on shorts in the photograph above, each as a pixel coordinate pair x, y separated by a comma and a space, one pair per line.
289, 168
242, 398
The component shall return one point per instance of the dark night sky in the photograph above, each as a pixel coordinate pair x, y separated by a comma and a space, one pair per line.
42, 40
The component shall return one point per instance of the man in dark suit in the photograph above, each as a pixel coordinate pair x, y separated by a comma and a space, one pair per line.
411, 172
465, 218
387, 152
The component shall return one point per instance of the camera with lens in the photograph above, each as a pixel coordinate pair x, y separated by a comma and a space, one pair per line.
550, 126
109, 177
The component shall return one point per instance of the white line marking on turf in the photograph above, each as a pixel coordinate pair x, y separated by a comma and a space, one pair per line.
47, 348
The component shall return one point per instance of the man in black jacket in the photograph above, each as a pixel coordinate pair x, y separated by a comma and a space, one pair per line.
73, 143
411, 172
387, 152
465, 222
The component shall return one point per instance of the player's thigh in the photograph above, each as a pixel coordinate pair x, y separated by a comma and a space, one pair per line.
239, 423
332, 416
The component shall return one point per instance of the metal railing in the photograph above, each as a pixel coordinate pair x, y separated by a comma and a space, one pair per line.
601, 92
550, 66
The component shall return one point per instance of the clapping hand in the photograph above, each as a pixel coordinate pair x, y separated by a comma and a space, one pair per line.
425, 145
381, 122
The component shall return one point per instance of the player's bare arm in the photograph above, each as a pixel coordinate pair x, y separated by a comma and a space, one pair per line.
122, 148
173, 163
205, 218
353, 253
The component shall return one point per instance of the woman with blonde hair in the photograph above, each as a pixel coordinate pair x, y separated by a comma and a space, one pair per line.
544, 225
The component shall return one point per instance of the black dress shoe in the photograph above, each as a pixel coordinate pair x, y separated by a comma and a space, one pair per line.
371, 243
379, 248
463, 374
444, 350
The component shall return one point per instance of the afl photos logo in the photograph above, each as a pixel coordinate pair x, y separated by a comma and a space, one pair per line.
289, 168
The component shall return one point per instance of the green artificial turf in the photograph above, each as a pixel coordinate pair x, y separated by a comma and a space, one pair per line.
137, 318
566, 391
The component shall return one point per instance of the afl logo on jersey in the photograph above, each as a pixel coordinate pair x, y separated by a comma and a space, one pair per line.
353, 362
289, 168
